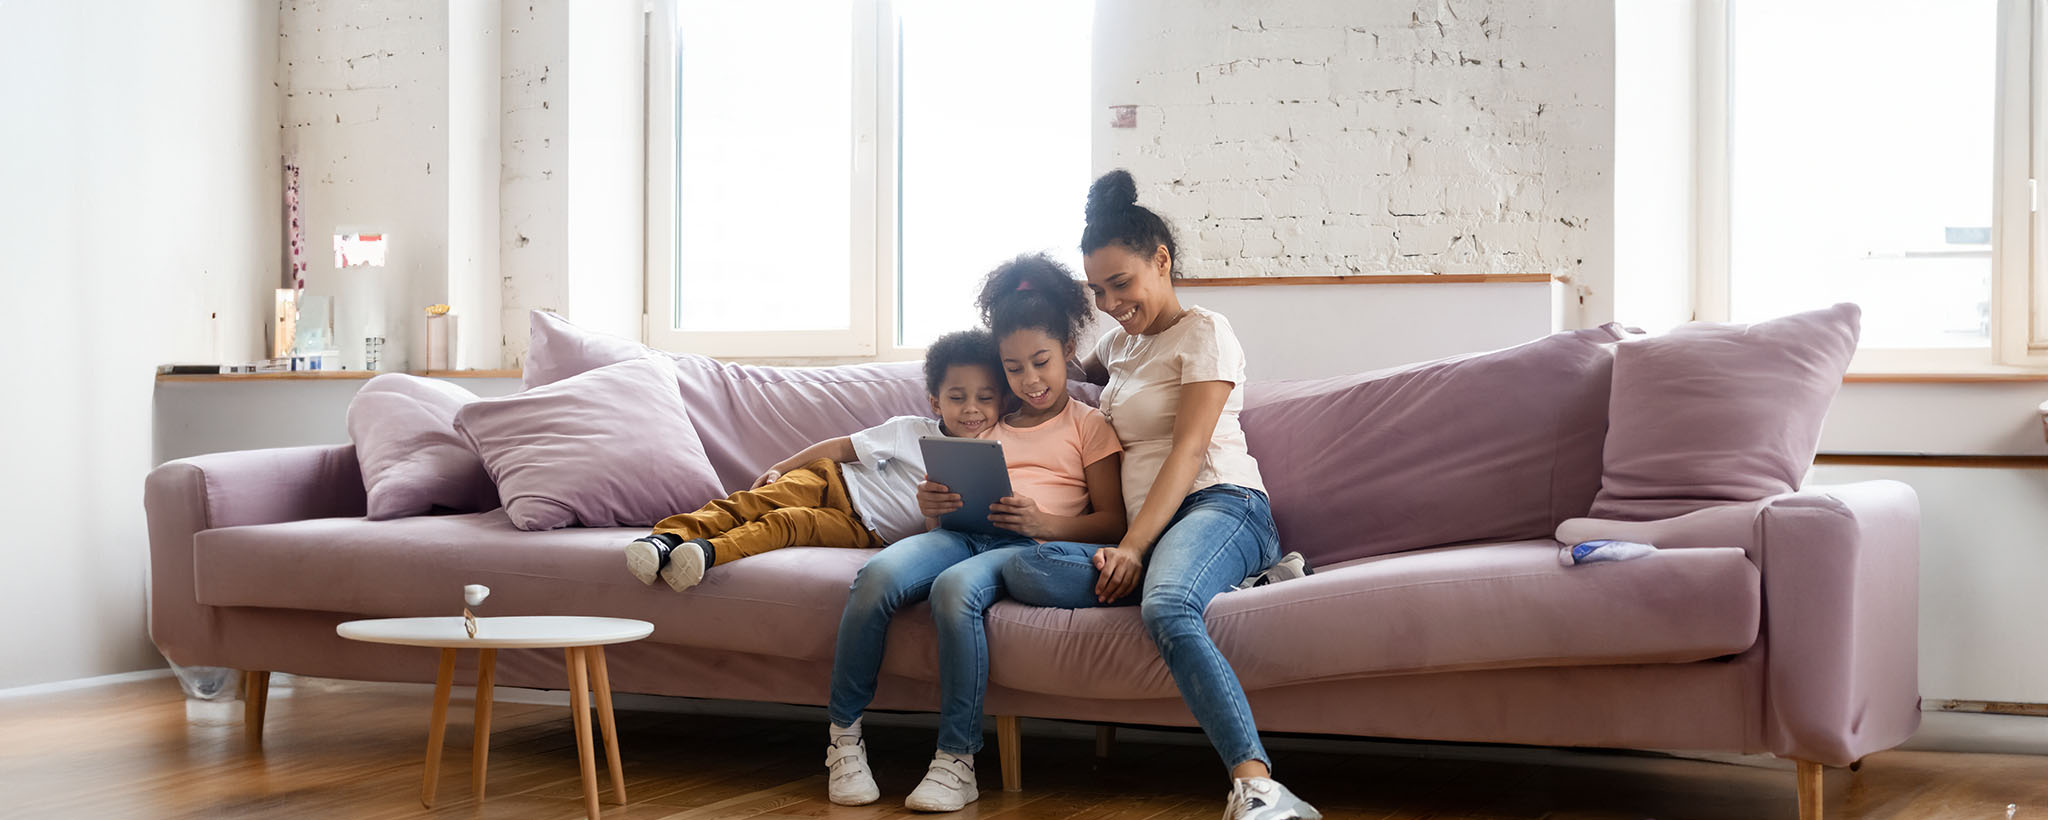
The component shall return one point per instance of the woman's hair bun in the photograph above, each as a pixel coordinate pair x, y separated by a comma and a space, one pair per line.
1112, 192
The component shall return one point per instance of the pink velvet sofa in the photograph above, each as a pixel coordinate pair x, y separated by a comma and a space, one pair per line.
1430, 500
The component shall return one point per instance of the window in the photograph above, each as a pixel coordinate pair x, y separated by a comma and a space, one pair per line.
832, 178
1861, 148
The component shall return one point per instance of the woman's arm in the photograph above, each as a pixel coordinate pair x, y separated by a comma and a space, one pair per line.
1089, 369
1103, 524
1194, 424
838, 449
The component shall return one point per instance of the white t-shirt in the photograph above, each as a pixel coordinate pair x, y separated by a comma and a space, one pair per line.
1143, 397
883, 483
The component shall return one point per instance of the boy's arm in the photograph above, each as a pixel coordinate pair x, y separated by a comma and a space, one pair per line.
838, 449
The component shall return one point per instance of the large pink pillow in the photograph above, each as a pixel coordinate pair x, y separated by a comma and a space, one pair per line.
607, 448
1712, 414
1494, 446
413, 460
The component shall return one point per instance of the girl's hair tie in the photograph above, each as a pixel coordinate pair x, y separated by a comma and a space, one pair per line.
1024, 285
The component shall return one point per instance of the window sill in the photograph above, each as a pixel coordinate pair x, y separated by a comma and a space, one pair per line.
332, 375
1370, 279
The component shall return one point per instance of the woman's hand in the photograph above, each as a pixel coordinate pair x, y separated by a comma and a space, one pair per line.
1019, 514
766, 479
1117, 571
935, 499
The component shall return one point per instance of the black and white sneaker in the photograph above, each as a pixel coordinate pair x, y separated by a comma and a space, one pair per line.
1288, 568
1263, 798
646, 557
686, 564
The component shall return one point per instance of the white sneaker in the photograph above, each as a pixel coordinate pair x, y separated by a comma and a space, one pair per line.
1263, 798
645, 557
685, 566
848, 780
948, 785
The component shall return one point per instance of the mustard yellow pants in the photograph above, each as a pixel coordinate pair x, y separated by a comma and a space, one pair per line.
807, 506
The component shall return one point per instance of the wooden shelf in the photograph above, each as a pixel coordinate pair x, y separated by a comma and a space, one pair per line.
331, 375
1944, 378
1925, 460
1369, 279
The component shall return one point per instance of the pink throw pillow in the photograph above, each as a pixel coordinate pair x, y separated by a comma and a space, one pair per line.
607, 448
1713, 414
413, 460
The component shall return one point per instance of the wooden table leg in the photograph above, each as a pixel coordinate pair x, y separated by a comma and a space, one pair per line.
480, 754
602, 685
442, 680
579, 707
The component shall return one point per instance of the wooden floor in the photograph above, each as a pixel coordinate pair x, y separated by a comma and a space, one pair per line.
354, 750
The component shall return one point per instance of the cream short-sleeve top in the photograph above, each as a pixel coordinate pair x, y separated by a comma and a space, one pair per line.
1143, 397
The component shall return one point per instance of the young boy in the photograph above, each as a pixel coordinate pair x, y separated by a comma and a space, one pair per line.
853, 491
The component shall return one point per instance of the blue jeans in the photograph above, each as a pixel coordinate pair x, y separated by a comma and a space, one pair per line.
962, 574
1220, 535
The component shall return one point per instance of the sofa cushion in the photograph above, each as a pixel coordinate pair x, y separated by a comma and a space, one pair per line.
1712, 414
1501, 605
413, 461
748, 417
784, 603
1472, 607
1491, 446
611, 447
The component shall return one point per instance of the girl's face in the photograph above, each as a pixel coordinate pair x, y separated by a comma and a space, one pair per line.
1134, 289
1036, 365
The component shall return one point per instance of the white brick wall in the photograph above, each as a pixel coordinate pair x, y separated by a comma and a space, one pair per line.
1321, 137
364, 111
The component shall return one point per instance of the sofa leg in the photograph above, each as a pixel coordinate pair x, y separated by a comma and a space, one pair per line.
1809, 790
1009, 748
255, 697
1105, 736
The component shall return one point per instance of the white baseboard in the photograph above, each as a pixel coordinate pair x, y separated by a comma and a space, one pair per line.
1979, 732
83, 683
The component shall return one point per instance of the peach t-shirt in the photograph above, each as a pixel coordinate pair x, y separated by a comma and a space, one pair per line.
1047, 461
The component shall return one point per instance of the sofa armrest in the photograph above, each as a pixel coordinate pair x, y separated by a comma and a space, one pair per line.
180, 498
1842, 620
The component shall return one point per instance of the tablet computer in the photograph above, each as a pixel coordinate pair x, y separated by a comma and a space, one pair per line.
975, 469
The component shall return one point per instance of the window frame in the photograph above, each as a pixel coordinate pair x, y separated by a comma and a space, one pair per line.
2019, 295
872, 262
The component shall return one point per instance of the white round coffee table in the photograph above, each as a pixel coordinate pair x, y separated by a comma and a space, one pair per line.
582, 639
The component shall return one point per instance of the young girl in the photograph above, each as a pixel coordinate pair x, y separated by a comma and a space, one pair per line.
1066, 473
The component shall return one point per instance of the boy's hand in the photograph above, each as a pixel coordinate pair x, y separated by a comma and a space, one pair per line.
935, 500
1018, 514
766, 479
1117, 570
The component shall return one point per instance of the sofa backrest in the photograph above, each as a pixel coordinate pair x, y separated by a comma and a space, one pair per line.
1489, 446
750, 416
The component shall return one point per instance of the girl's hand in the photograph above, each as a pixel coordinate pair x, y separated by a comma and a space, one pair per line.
1019, 514
766, 479
1117, 571
935, 500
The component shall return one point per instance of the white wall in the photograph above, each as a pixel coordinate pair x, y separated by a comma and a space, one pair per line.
1320, 137
140, 217
366, 118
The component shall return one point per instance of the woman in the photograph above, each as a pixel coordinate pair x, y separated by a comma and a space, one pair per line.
1199, 520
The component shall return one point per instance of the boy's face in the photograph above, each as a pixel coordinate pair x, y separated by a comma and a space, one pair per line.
969, 400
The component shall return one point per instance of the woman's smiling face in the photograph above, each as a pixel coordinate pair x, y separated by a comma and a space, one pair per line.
1134, 289
1036, 365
